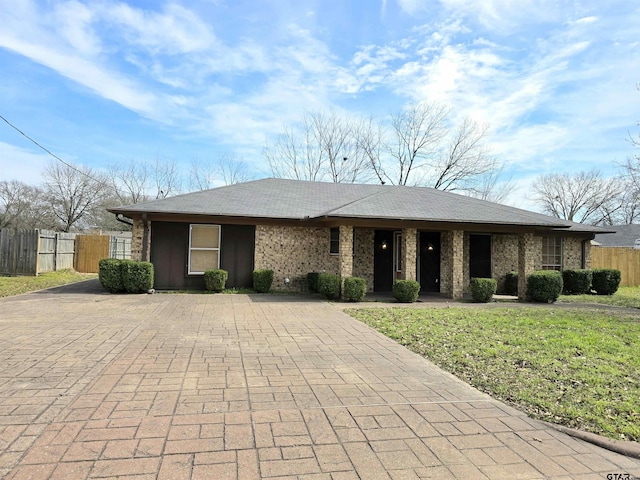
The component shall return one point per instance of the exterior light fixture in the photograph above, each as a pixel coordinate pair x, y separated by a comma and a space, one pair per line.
287, 282
430, 247
384, 245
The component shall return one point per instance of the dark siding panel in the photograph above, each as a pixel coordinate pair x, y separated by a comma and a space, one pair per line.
169, 249
238, 243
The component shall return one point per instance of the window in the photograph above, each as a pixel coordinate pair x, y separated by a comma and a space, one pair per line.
397, 245
551, 253
204, 248
334, 243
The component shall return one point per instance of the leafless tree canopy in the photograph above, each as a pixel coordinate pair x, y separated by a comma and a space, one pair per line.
415, 146
227, 169
22, 206
583, 197
73, 193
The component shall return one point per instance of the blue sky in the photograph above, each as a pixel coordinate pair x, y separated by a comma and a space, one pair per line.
104, 82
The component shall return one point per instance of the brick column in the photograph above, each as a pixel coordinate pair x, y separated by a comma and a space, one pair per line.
409, 253
527, 253
346, 252
457, 264
137, 240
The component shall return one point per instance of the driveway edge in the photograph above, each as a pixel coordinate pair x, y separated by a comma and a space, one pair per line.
626, 448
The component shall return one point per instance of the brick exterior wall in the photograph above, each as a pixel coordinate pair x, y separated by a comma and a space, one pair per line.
409, 253
504, 257
452, 263
293, 252
346, 252
137, 235
363, 258
571, 253
529, 259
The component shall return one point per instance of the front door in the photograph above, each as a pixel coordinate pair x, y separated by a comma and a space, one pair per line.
429, 261
479, 256
383, 267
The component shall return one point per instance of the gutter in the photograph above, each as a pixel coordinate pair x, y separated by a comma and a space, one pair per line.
122, 219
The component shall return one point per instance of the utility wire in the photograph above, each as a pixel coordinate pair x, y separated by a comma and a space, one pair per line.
56, 156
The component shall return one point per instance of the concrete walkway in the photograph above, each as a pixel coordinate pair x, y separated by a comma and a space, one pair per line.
167, 386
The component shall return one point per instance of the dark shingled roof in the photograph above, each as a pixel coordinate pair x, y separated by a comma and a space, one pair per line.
300, 200
624, 236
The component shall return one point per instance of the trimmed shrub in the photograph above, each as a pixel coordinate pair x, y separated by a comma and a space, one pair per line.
482, 289
406, 291
312, 281
355, 289
215, 279
544, 286
605, 281
262, 280
576, 282
329, 285
137, 277
110, 274
511, 283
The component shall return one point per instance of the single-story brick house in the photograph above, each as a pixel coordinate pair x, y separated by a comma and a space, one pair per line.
377, 232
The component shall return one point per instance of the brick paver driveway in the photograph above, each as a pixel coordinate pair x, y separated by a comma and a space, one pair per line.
233, 386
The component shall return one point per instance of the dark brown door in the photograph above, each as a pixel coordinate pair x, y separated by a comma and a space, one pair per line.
429, 261
383, 261
480, 256
236, 256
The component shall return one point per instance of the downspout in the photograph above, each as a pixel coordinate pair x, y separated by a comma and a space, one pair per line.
145, 237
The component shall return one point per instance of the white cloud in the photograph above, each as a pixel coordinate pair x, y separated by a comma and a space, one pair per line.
20, 164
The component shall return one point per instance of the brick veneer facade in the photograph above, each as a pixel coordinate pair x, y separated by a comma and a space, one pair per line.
293, 251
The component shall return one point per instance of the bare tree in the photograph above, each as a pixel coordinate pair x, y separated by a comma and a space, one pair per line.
466, 160
22, 206
166, 178
583, 197
226, 170
492, 186
326, 147
416, 133
72, 193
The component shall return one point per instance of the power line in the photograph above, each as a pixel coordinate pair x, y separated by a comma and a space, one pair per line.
56, 156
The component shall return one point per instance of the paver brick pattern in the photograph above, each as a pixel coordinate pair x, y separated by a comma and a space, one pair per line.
245, 387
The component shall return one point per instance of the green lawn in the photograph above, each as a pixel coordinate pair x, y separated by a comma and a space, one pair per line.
17, 285
575, 367
624, 297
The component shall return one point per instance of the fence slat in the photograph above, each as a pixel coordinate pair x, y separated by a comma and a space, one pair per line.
90, 249
625, 259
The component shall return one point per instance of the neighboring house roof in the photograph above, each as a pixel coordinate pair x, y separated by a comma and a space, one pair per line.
302, 200
624, 236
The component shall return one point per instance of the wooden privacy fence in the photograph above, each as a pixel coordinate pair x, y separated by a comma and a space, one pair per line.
625, 259
90, 249
30, 252
55, 251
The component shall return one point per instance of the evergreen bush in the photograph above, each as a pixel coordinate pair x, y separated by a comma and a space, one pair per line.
215, 279
312, 281
262, 280
544, 286
482, 289
110, 274
329, 285
606, 281
355, 289
511, 283
576, 282
406, 291
137, 277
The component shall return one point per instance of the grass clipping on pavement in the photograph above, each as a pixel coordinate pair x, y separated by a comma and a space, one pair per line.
579, 368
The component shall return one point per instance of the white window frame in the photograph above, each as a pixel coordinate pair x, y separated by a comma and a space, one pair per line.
545, 256
397, 252
189, 272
